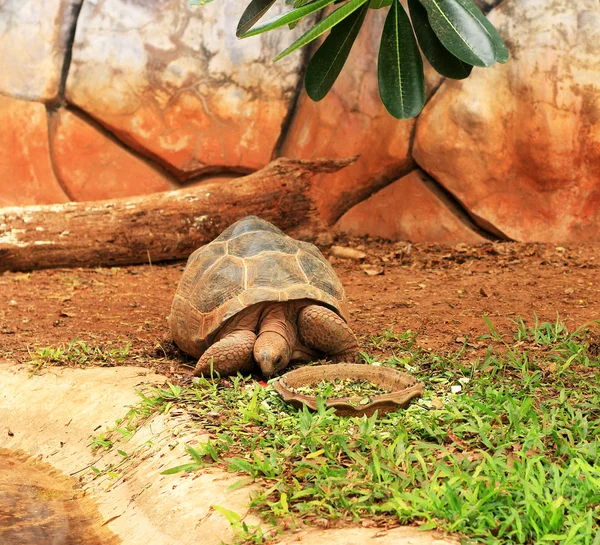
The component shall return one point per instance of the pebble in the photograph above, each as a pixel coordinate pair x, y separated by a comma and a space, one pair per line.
344, 252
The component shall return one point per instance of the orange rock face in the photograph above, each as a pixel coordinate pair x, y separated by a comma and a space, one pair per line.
91, 166
174, 82
26, 175
351, 120
409, 209
519, 144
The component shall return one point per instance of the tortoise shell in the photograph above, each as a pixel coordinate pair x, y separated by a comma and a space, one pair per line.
250, 262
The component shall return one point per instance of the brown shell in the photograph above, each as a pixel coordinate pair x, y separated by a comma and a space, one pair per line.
250, 262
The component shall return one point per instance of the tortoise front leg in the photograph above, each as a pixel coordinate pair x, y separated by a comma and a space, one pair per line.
231, 354
323, 330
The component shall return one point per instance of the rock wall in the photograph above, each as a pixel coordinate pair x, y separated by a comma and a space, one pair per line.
112, 98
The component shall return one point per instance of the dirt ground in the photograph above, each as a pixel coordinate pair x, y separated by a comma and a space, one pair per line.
442, 292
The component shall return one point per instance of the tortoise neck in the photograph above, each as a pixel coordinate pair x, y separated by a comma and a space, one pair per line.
280, 318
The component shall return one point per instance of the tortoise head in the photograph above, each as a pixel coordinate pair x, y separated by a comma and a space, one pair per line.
272, 353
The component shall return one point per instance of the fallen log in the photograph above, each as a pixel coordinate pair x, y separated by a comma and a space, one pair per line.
161, 226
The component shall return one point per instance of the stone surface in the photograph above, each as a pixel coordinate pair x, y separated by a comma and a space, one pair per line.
54, 415
411, 208
91, 166
519, 144
351, 120
26, 175
33, 39
403, 535
175, 82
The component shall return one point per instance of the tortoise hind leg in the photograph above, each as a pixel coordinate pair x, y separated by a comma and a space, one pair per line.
323, 330
231, 354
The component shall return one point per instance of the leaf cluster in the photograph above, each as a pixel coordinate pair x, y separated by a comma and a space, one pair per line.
453, 35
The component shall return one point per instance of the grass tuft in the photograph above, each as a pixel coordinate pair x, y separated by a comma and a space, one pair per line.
77, 353
503, 447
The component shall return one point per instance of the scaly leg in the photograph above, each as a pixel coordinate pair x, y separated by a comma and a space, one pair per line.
231, 354
323, 330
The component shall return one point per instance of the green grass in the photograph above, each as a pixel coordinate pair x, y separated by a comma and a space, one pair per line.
77, 353
503, 447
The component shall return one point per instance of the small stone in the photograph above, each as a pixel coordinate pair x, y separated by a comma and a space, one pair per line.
437, 403
374, 271
483, 292
344, 252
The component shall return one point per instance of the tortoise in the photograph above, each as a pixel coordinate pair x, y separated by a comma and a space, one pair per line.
257, 296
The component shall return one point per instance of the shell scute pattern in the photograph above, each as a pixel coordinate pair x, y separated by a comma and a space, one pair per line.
249, 245
250, 262
198, 263
248, 225
219, 284
278, 271
320, 274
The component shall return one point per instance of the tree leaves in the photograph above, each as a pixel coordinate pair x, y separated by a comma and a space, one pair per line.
327, 63
438, 56
288, 17
499, 48
400, 69
323, 26
252, 14
453, 35
378, 4
459, 26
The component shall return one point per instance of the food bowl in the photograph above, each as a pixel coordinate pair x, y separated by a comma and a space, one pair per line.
402, 388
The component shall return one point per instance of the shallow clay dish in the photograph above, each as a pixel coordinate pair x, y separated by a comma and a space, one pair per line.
402, 387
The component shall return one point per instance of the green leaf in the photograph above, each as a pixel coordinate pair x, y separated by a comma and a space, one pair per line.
461, 31
288, 17
378, 4
323, 26
327, 63
177, 469
500, 49
194, 454
298, 4
252, 14
231, 516
438, 56
240, 483
400, 68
